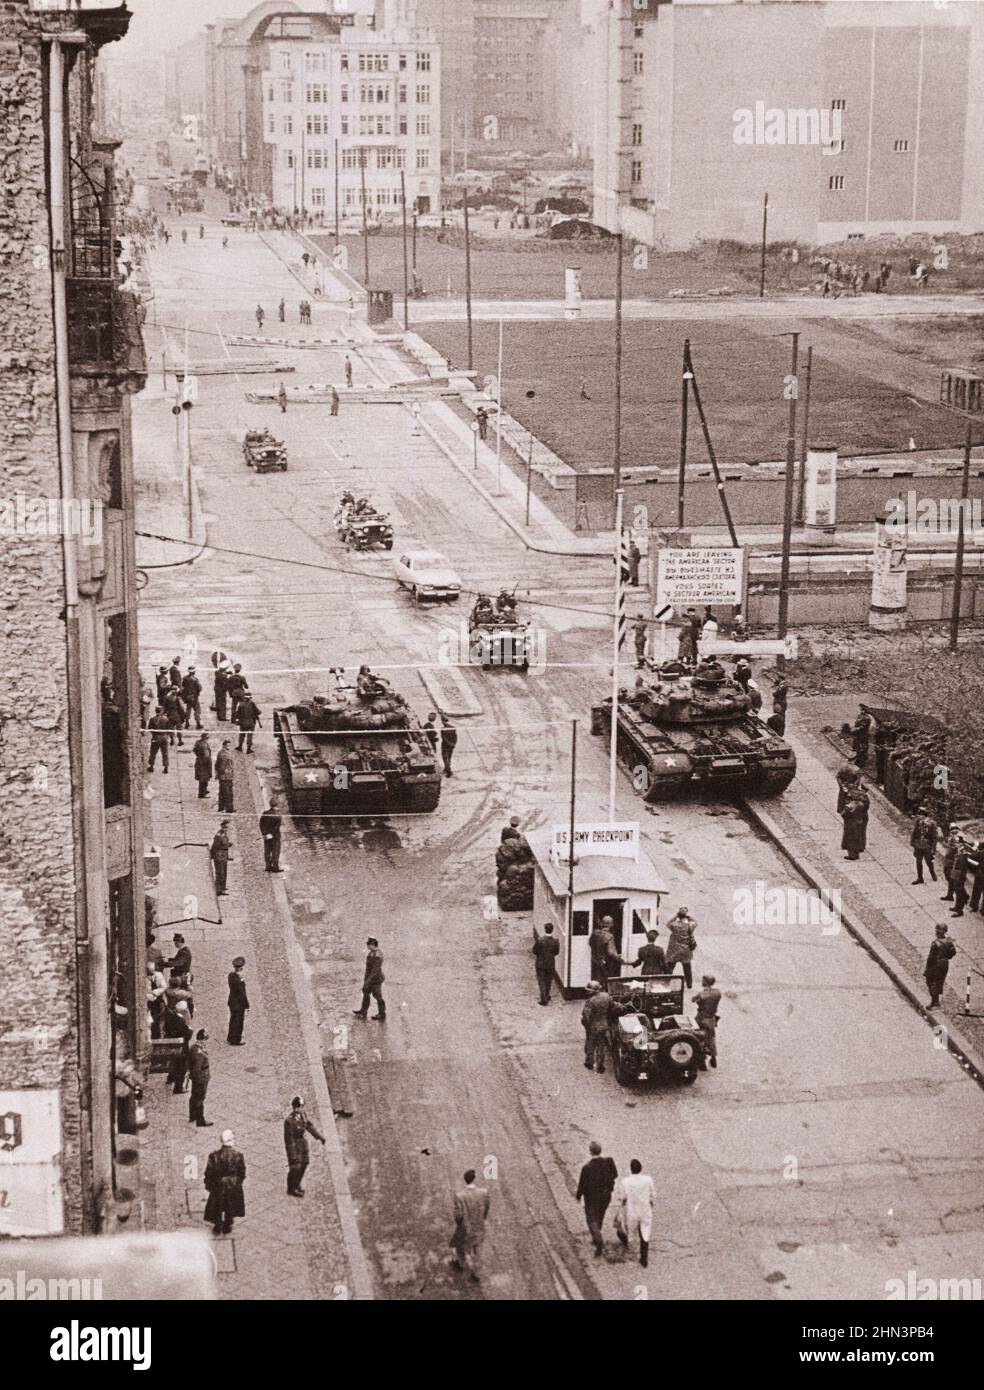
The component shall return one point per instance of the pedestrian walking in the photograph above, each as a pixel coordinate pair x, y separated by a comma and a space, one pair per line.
348, 370
855, 817
640, 633
297, 1127
372, 981
177, 1025
941, 952
198, 1066
248, 719
634, 1210
282, 398
220, 688
184, 236
282, 311
220, 857
605, 959
847, 782
706, 1003
235, 685
158, 739
635, 555
201, 231
238, 1003
471, 1212
545, 951
449, 741
334, 401
924, 837
651, 959
682, 944
260, 316
594, 1188
191, 695
225, 772
203, 764
270, 822
482, 416
225, 1173
594, 1021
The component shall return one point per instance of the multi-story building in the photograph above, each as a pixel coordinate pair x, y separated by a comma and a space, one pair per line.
514, 74
855, 116
72, 930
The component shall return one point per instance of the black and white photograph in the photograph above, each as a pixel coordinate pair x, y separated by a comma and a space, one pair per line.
492, 669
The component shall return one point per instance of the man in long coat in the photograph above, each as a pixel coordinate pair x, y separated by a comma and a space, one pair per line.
238, 1003
297, 1127
203, 765
847, 781
471, 1210
855, 818
594, 1188
225, 1173
634, 1217
941, 952
681, 945
198, 1066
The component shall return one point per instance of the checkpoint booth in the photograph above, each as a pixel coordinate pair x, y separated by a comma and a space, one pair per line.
612, 878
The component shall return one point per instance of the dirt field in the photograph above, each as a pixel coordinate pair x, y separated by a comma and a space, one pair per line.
948, 341
741, 378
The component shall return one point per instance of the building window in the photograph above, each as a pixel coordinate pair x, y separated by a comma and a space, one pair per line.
403, 123
287, 91
637, 64
344, 92
316, 124
839, 104
272, 124
639, 31
286, 62
403, 92
423, 62
344, 125
836, 183
423, 94
270, 93
424, 123
637, 134
403, 62
288, 125
344, 62
289, 158
901, 147
423, 158
316, 158
350, 159
637, 171
318, 197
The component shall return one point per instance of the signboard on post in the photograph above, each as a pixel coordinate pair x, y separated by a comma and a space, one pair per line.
614, 840
688, 578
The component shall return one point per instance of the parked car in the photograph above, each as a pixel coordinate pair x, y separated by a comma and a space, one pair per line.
427, 574
651, 1039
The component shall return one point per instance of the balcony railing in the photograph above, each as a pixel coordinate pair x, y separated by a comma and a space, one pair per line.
90, 319
92, 250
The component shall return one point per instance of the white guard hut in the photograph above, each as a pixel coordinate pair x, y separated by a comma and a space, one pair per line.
605, 885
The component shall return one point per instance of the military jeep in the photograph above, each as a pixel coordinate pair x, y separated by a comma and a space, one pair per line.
650, 1037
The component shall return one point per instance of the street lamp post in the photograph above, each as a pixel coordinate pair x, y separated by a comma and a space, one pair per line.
474, 443
531, 397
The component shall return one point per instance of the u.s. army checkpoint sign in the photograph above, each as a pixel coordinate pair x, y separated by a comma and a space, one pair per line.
615, 840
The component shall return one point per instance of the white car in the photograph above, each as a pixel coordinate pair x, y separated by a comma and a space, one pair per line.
427, 574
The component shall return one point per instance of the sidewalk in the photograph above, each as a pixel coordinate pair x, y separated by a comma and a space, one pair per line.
283, 1248
893, 918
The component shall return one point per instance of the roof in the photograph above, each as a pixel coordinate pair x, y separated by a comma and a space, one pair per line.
596, 872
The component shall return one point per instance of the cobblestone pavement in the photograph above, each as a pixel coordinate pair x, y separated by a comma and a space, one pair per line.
283, 1247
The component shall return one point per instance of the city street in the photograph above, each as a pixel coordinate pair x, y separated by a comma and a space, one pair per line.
836, 1147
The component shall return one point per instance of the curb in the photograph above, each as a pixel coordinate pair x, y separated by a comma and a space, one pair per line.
957, 1043
354, 1250
442, 697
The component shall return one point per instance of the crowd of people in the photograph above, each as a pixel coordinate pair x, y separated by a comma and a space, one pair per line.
838, 276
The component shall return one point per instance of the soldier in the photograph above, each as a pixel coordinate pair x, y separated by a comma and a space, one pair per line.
594, 1021
957, 879
260, 316
924, 837
651, 958
335, 401
482, 416
640, 631
282, 398
706, 1001
510, 831
248, 719
635, 555
545, 952
175, 711
605, 959
225, 772
270, 830
949, 856
220, 857
221, 690
941, 952
743, 672
372, 982
163, 681
174, 672
203, 765
449, 741
191, 693
860, 734
235, 685
431, 730
682, 945
855, 817
348, 370
158, 739
977, 887
225, 1174
780, 696
282, 311
238, 1003
297, 1127
199, 1068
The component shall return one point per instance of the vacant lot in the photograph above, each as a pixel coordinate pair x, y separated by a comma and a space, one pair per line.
741, 379
951, 340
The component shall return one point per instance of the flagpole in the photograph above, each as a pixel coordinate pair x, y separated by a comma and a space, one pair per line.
616, 635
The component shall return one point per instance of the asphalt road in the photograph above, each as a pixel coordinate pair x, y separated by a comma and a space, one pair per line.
835, 1148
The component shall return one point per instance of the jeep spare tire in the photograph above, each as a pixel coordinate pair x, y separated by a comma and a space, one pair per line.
679, 1054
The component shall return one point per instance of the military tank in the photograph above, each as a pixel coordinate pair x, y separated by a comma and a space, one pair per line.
680, 732
360, 750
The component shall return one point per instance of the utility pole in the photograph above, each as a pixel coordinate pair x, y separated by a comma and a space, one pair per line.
498, 421
365, 223
468, 292
805, 444
531, 397
787, 505
336, 192
617, 440
765, 227
961, 522
415, 240
686, 379
406, 276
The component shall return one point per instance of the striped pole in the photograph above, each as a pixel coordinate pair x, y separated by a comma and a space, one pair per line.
618, 637
967, 998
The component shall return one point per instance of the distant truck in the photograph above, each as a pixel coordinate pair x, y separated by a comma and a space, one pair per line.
264, 453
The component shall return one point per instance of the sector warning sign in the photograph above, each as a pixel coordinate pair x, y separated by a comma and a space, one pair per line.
687, 578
